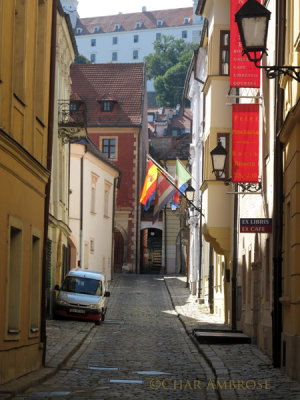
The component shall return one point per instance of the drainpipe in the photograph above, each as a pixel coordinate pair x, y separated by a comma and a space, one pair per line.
80, 261
165, 229
278, 194
137, 250
49, 167
235, 259
113, 224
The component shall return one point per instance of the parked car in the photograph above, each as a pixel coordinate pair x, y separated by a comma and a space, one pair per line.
83, 295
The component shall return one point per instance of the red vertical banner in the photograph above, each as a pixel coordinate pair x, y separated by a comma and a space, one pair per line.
245, 142
243, 73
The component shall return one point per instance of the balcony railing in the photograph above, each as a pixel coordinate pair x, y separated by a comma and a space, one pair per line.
72, 113
72, 119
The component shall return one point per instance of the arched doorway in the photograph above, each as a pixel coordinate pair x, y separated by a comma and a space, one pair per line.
118, 251
151, 251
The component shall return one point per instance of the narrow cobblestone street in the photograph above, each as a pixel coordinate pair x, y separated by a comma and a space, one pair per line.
143, 351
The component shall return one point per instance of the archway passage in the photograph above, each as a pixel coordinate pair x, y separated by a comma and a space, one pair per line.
118, 251
151, 251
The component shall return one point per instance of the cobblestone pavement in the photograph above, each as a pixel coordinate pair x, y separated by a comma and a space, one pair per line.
141, 351
145, 350
238, 368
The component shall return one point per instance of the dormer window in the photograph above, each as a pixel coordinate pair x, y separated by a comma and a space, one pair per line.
160, 22
186, 20
117, 27
96, 29
138, 25
79, 31
107, 106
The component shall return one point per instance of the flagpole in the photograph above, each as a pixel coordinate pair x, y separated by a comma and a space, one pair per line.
171, 180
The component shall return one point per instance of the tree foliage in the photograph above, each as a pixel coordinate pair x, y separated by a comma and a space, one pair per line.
80, 59
168, 66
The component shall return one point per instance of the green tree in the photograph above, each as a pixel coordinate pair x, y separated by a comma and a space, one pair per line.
168, 66
80, 59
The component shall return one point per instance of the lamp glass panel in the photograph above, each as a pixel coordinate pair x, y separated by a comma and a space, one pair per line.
190, 194
255, 31
219, 161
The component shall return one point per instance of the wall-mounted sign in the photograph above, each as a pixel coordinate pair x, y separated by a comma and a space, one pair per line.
245, 142
256, 225
243, 73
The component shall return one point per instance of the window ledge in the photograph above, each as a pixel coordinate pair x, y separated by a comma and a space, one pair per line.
285, 300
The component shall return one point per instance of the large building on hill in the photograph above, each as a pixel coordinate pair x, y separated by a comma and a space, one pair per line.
128, 38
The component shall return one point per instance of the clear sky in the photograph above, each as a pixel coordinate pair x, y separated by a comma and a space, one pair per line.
97, 8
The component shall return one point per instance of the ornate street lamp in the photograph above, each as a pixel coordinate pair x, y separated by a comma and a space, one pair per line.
218, 158
253, 22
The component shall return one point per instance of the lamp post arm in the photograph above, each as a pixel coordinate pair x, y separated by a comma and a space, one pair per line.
275, 71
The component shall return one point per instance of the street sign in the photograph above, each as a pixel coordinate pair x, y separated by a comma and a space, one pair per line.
256, 225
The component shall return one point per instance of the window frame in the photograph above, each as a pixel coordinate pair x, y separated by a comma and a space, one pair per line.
136, 38
184, 34
93, 42
115, 40
14, 278
226, 48
135, 54
107, 154
107, 106
114, 56
93, 57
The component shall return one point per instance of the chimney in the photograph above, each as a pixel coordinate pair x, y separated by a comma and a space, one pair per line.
144, 9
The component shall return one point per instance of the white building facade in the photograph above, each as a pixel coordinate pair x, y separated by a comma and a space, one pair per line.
130, 37
93, 181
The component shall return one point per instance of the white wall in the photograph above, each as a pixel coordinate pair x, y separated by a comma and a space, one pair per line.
97, 226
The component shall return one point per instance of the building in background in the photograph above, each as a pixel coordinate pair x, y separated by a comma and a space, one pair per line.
164, 243
27, 47
93, 188
128, 38
115, 97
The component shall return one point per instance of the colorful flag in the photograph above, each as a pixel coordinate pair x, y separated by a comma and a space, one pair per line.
164, 193
181, 177
149, 184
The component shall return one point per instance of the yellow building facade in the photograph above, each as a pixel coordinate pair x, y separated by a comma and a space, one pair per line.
25, 43
289, 137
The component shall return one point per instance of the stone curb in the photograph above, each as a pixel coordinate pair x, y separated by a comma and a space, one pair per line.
209, 360
20, 385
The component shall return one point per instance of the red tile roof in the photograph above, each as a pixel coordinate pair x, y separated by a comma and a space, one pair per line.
127, 22
122, 82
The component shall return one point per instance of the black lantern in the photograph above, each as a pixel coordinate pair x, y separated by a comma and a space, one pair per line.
218, 158
190, 193
253, 22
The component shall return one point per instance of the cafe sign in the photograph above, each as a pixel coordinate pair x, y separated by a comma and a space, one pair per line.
256, 225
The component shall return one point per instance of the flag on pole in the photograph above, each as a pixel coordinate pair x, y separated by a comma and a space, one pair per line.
149, 184
181, 178
164, 193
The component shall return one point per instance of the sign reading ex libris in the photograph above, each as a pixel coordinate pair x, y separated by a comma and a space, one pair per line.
256, 225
